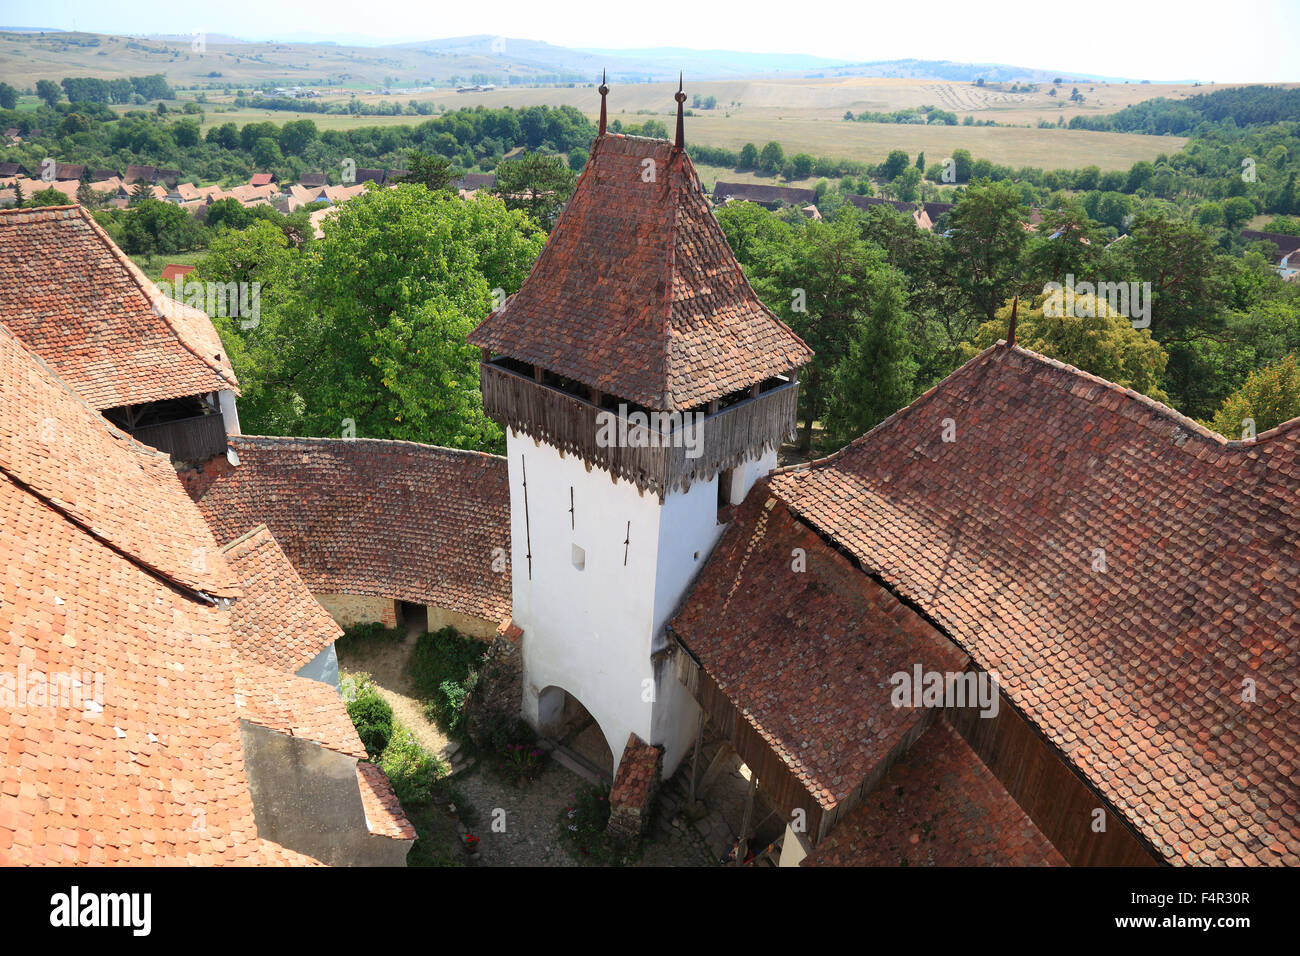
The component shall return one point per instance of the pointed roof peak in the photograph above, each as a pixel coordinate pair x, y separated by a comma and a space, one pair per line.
603, 90
680, 97
637, 292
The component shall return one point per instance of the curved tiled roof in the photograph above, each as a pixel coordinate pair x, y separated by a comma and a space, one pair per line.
72, 297
938, 806
637, 292
277, 622
365, 516
102, 560
1169, 675
384, 814
296, 706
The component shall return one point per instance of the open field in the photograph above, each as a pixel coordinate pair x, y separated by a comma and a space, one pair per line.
813, 131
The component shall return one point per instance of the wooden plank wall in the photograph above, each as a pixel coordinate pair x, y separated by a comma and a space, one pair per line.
1059, 802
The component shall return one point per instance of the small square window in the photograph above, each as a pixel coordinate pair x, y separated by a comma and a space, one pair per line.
579, 558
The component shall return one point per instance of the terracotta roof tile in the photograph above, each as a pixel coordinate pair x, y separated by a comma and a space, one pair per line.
64, 451
277, 622
297, 706
807, 655
76, 300
938, 806
143, 763
364, 516
637, 292
1136, 672
384, 814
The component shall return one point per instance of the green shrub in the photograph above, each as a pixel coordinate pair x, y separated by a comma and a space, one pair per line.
362, 633
372, 717
443, 669
411, 769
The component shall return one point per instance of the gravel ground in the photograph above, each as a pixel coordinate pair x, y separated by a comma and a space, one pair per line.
531, 834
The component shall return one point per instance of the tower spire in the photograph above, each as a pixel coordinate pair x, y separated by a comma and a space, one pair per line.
1011, 326
680, 97
603, 90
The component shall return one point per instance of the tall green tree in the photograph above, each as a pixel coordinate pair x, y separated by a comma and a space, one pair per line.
985, 242
877, 374
537, 184
1268, 398
403, 277
49, 92
432, 172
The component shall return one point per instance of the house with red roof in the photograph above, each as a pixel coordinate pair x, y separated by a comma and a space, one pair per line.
138, 721
152, 365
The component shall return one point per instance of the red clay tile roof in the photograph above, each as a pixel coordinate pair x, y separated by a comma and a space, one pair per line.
384, 814
272, 854
938, 806
121, 492
806, 655
364, 516
638, 773
1136, 673
296, 706
150, 770
763, 193
277, 622
637, 292
77, 301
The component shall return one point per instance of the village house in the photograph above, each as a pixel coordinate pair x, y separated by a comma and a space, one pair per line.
1285, 253
152, 713
152, 366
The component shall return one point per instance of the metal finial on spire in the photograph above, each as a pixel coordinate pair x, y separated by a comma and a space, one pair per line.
603, 90
1011, 326
680, 97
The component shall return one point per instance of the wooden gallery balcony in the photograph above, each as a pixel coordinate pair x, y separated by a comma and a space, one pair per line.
188, 439
665, 454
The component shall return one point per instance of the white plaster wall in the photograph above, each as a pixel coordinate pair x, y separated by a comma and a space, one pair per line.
324, 667
587, 631
229, 413
593, 631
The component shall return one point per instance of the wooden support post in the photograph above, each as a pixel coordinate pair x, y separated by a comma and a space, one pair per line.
594, 394
538, 373
756, 389
742, 847
485, 356
695, 756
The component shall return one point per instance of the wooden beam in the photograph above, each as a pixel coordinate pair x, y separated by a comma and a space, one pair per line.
695, 756
538, 373
742, 847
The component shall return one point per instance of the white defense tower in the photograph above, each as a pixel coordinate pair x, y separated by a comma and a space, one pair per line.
644, 389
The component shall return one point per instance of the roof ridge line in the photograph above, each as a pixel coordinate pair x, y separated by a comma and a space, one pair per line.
674, 211
247, 535
924, 396
375, 441
144, 283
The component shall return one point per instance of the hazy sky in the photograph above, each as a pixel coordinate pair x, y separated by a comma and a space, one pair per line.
1193, 39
